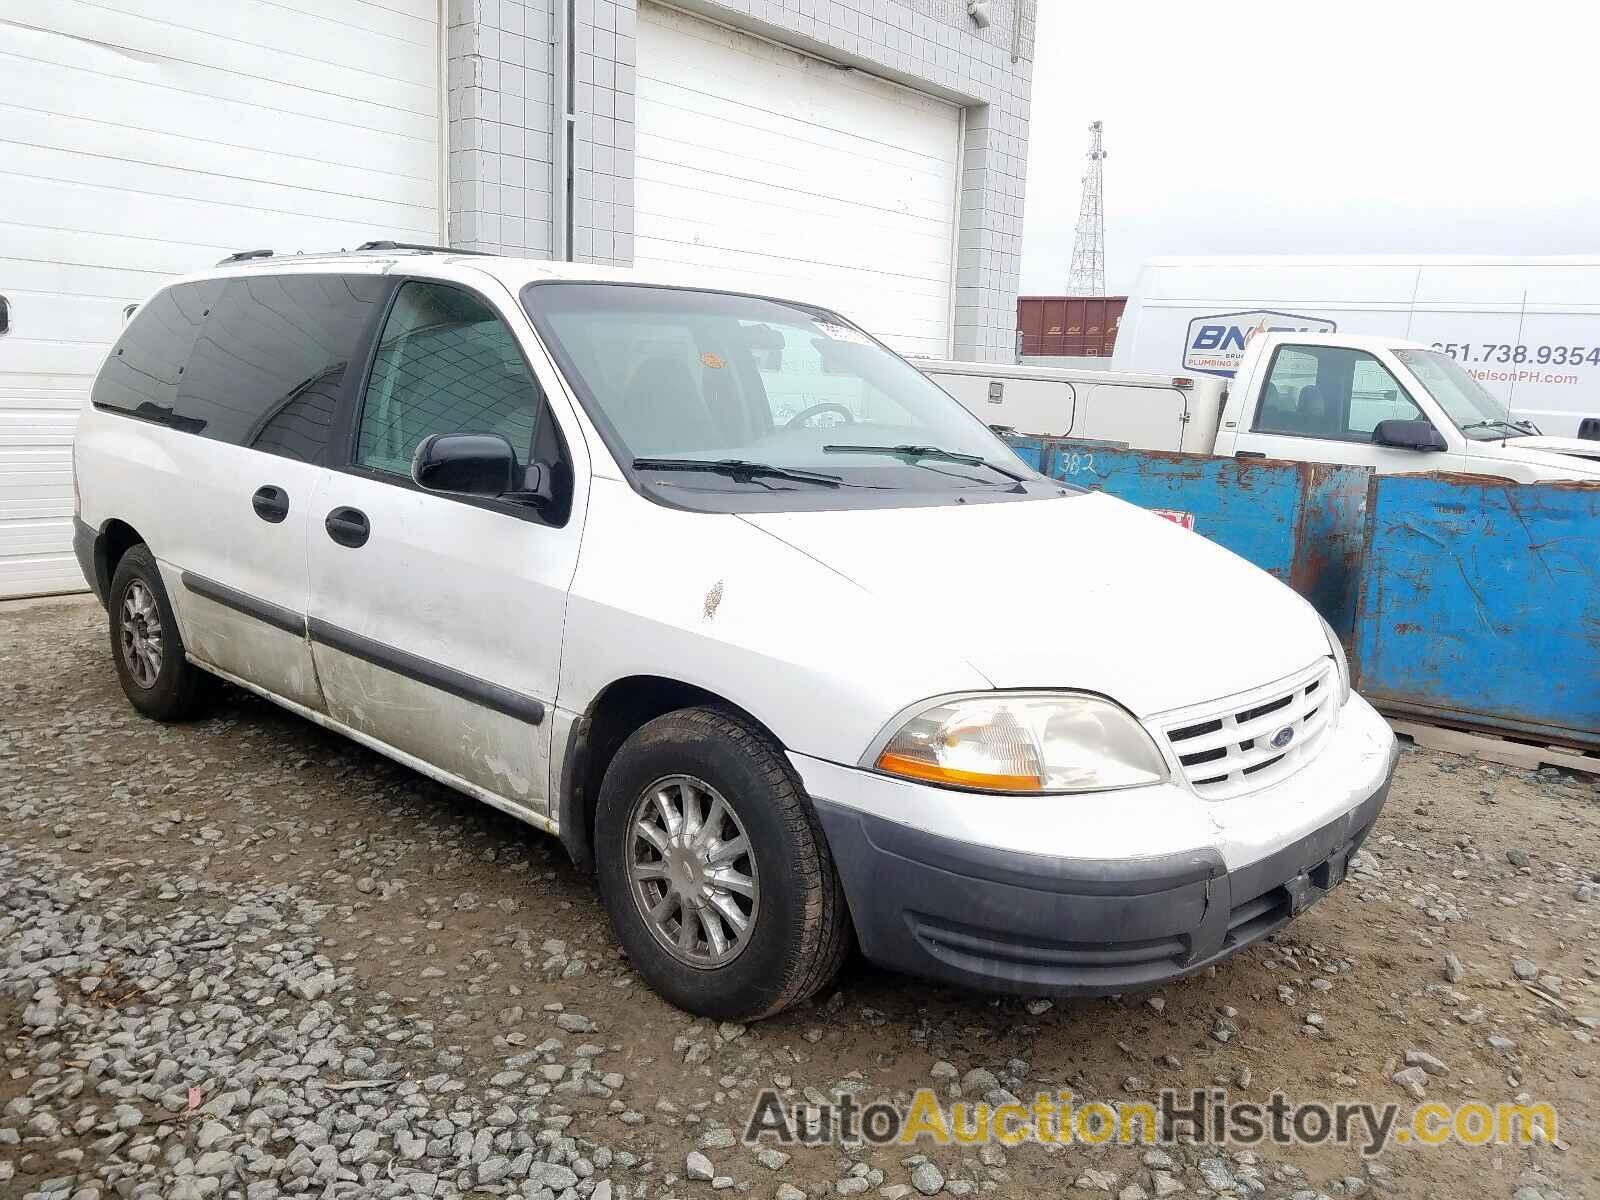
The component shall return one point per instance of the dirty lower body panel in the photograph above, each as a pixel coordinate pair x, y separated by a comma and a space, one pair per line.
965, 915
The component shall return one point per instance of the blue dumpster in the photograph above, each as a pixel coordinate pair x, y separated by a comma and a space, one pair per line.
1300, 521
1480, 604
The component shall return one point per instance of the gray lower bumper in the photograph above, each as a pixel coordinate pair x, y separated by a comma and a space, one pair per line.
1034, 924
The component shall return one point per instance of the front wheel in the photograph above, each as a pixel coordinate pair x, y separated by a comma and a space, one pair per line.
717, 878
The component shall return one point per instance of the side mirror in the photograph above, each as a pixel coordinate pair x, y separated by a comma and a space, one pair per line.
474, 464
1408, 435
538, 486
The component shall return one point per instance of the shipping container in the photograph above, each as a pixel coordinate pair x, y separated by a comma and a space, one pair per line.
1068, 326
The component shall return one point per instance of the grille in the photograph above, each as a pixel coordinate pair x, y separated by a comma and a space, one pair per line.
1258, 917
1226, 748
1112, 966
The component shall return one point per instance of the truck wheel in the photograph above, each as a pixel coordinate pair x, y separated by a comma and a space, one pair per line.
717, 878
157, 678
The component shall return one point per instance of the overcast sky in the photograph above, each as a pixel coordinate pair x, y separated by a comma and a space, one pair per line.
1353, 127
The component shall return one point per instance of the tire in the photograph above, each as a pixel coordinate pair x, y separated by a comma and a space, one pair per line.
156, 677
799, 928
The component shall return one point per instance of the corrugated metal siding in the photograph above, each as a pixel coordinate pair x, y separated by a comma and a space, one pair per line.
1069, 326
146, 138
770, 171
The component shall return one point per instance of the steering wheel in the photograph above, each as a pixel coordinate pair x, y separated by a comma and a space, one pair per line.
806, 413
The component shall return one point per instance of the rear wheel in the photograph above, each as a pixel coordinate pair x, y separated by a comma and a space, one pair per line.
718, 880
156, 677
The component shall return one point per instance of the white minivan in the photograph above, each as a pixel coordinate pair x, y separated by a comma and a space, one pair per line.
776, 637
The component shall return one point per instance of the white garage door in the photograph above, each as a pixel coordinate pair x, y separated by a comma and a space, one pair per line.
767, 170
144, 138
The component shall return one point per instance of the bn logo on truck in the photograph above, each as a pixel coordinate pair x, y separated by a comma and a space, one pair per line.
1216, 343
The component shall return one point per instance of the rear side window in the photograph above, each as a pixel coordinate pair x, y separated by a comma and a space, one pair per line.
141, 374
268, 366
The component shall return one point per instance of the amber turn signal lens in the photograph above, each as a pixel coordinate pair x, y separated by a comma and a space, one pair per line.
899, 764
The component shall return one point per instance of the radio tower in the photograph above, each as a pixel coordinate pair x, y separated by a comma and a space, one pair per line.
1087, 276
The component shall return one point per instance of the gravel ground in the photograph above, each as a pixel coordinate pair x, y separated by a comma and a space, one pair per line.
246, 957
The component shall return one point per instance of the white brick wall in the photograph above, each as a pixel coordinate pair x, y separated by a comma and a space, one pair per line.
502, 112
602, 183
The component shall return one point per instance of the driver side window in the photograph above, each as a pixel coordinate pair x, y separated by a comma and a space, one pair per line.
1375, 396
1330, 392
446, 363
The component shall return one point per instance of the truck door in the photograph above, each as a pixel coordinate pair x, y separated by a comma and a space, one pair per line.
1321, 404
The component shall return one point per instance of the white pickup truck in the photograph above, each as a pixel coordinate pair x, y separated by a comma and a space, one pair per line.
1385, 403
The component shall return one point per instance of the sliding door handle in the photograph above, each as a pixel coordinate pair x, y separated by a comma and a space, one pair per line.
348, 527
271, 503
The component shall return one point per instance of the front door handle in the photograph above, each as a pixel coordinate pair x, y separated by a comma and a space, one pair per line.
348, 527
271, 503
1248, 454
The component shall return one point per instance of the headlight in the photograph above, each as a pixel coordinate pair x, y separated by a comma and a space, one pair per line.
1023, 742
1341, 663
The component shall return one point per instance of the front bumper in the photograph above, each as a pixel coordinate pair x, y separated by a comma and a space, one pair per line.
1003, 920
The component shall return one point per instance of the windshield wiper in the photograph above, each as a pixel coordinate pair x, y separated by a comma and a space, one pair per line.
738, 469
1520, 426
915, 452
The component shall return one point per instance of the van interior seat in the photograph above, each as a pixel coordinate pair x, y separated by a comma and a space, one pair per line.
662, 410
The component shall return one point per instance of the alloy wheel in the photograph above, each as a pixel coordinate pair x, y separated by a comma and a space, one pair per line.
141, 634
691, 871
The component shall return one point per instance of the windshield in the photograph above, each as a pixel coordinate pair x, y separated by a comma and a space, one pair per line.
703, 394
1477, 412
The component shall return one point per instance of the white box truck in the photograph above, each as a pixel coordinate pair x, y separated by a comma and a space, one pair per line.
1527, 329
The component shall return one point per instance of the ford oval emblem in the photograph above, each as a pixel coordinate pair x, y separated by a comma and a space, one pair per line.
1281, 739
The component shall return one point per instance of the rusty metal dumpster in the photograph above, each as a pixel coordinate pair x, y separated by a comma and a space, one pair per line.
1480, 604
1301, 521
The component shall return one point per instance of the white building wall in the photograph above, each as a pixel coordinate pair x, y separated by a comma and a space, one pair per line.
141, 141
504, 73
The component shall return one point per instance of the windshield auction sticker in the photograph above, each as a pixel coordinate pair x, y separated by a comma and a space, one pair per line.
843, 333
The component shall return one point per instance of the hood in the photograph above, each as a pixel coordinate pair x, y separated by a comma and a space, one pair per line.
1082, 591
1554, 458
1581, 447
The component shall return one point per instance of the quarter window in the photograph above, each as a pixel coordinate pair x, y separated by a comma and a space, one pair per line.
1330, 392
141, 374
447, 364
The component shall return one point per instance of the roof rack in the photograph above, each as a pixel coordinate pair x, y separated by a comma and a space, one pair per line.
419, 246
